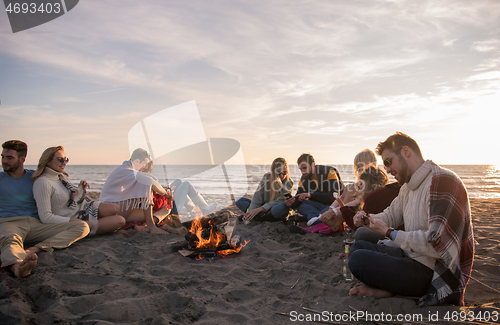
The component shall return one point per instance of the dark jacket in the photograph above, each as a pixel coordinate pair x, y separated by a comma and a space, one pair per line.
321, 188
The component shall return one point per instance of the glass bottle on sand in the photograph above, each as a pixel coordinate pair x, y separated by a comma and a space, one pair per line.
347, 250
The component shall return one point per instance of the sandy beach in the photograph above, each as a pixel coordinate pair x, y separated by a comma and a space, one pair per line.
138, 278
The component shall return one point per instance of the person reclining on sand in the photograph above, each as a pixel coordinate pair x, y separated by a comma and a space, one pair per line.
59, 201
436, 249
316, 188
19, 222
265, 203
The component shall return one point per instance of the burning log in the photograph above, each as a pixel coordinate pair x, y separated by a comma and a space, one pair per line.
216, 218
211, 236
205, 235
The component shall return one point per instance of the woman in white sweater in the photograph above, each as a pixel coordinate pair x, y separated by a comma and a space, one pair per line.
58, 200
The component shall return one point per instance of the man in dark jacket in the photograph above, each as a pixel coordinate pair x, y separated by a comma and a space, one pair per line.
316, 187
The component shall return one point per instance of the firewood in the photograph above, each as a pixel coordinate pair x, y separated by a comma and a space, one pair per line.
215, 218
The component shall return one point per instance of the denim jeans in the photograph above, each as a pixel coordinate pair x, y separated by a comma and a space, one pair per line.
363, 233
312, 209
389, 268
182, 192
279, 211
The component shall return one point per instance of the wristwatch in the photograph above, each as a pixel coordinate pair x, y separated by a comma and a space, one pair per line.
388, 233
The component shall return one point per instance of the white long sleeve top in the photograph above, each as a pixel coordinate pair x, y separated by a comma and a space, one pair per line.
52, 198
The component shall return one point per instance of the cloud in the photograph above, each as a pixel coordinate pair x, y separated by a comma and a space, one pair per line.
486, 46
491, 75
336, 128
311, 124
257, 69
68, 100
103, 91
449, 43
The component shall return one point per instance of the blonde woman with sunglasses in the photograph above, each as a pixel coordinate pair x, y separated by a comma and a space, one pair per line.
59, 201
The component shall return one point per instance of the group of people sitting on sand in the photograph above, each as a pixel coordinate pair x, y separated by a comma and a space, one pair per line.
423, 220
44, 208
413, 237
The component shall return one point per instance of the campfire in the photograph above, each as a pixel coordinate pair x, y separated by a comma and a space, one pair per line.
211, 236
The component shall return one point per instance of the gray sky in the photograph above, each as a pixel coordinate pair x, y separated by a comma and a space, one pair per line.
281, 77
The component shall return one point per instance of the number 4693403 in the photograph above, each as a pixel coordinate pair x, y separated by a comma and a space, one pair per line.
471, 316
32, 8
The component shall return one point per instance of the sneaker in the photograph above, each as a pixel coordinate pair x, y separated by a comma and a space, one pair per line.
209, 209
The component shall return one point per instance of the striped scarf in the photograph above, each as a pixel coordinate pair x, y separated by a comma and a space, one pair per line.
72, 192
451, 235
87, 210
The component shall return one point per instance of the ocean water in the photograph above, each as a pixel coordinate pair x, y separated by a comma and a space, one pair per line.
482, 181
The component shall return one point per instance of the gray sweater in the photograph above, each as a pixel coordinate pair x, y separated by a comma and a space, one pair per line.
262, 195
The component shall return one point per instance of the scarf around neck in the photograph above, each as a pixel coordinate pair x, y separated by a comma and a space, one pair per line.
451, 235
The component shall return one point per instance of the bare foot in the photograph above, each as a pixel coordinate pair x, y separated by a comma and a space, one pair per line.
179, 230
23, 269
366, 291
141, 228
32, 250
335, 223
157, 231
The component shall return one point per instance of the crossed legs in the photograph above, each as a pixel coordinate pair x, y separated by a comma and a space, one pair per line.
387, 271
16, 231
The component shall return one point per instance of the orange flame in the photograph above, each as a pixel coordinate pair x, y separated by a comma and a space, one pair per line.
230, 251
213, 240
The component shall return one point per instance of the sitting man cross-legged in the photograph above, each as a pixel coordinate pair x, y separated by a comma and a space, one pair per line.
435, 251
19, 222
316, 187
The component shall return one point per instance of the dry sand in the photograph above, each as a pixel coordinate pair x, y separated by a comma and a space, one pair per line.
139, 278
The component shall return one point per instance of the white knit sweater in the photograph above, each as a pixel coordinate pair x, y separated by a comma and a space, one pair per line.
411, 207
52, 197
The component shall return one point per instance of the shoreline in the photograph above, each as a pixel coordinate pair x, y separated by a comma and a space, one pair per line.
136, 278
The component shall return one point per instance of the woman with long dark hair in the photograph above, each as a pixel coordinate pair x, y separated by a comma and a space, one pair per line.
271, 191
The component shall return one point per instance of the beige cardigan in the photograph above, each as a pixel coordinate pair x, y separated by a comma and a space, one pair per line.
411, 207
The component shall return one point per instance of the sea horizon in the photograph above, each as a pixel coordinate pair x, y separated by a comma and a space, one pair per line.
481, 181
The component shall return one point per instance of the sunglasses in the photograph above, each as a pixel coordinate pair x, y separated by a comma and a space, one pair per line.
282, 173
63, 160
388, 161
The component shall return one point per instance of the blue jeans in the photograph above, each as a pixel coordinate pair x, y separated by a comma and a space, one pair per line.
279, 211
389, 268
363, 233
312, 209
